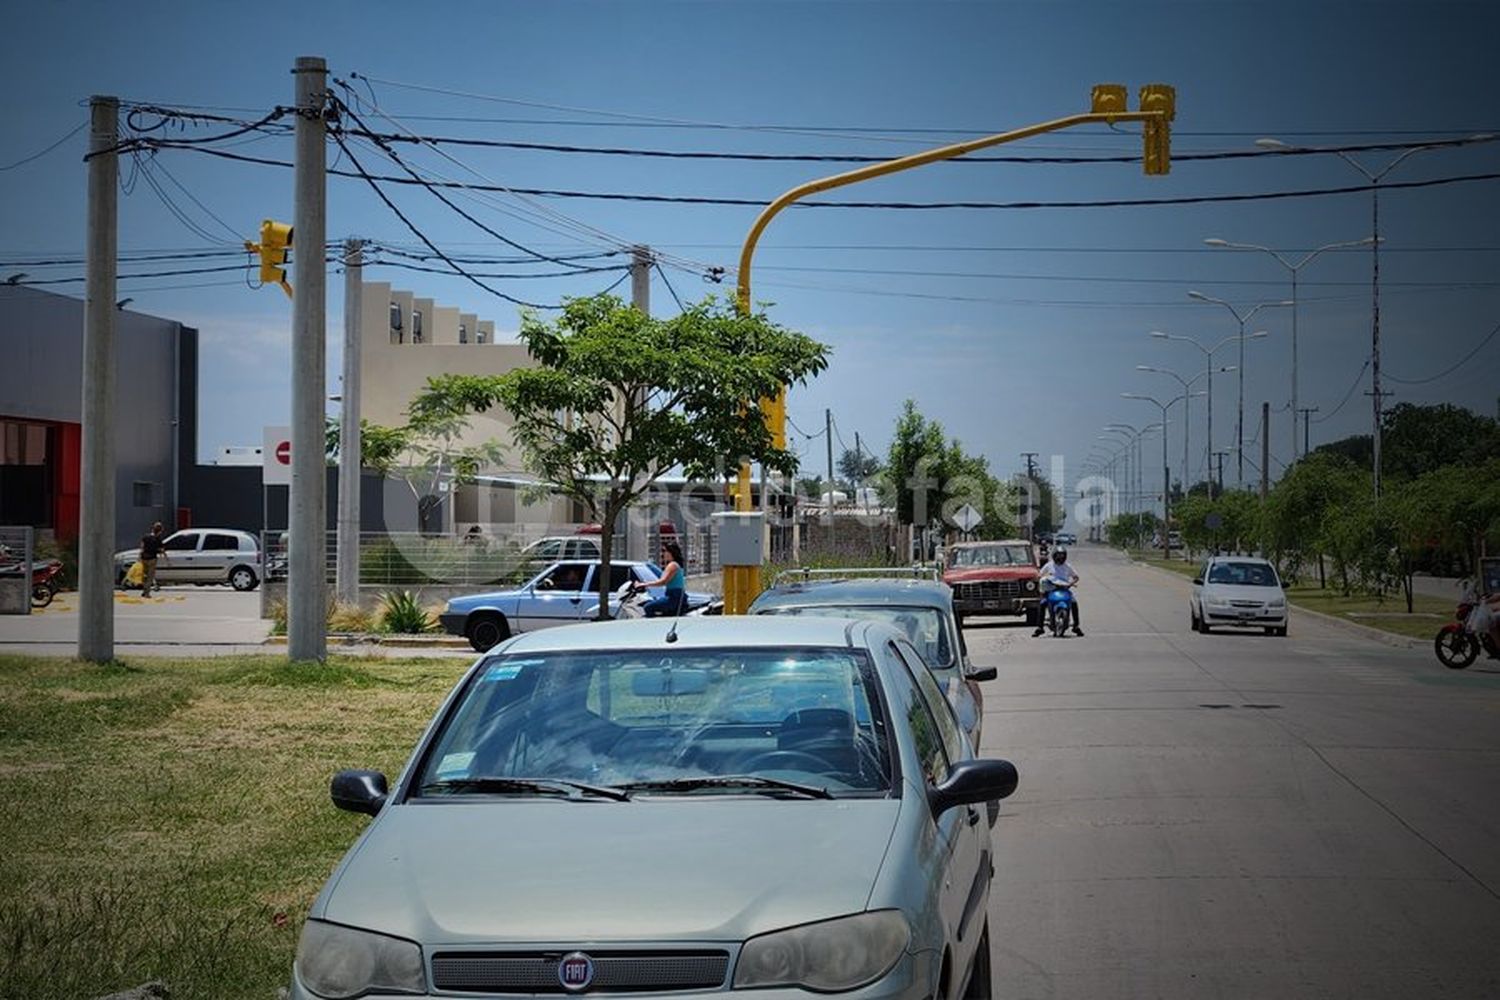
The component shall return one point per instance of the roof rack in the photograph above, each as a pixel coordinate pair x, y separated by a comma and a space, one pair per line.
916, 571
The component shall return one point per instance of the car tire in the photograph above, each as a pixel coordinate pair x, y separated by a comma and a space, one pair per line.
243, 579
1192, 619
485, 630
981, 977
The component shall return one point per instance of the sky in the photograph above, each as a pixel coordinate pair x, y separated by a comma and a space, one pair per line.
1016, 328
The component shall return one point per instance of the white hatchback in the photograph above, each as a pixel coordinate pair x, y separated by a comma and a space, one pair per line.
1240, 591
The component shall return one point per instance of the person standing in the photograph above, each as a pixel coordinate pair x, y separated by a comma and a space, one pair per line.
151, 545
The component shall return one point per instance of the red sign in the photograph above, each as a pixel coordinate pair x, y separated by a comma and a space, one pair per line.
284, 452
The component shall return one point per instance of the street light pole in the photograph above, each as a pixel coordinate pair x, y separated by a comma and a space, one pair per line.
1208, 352
1241, 319
1295, 270
1374, 177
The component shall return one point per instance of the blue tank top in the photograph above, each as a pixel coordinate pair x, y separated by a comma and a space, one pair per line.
678, 581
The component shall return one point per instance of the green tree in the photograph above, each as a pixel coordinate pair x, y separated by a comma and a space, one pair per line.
618, 399
1416, 440
857, 468
1296, 513
915, 468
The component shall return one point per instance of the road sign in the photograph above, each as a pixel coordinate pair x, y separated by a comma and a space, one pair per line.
967, 518
276, 456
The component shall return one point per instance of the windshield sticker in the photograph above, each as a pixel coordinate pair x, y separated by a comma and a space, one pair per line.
507, 671
454, 764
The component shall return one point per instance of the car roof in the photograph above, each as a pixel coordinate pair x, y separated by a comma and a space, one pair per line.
1251, 559
694, 633
995, 541
820, 593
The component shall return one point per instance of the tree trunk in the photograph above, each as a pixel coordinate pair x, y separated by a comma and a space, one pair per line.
606, 547
1406, 586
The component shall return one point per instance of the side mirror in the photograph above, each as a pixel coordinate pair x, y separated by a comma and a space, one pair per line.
981, 673
973, 781
359, 791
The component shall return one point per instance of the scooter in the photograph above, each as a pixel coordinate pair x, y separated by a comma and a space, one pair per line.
1457, 644
1059, 608
630, 602
44, 584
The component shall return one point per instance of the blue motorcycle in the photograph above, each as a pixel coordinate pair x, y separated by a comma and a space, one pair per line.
1058, 607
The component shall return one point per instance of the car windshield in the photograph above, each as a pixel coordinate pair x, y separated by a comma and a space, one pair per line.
925, 627
635, 718
1244, 574
990, 555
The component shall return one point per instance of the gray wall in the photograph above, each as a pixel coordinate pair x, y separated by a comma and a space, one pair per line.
41, 344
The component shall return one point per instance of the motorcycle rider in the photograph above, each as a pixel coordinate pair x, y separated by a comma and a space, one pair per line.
1057, 568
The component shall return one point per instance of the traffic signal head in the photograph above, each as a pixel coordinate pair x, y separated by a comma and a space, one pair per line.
275, 241
1108, 99
1157, 132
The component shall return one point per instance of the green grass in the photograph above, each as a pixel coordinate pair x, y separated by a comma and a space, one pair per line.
1387, 614
169, 819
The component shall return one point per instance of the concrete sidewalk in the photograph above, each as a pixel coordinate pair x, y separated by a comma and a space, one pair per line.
182, 615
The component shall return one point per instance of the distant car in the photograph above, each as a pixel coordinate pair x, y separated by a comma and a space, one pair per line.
556, 547
922, 610
993, 578
1241, 591
203, 556
1066, 538
746, 808
561, 594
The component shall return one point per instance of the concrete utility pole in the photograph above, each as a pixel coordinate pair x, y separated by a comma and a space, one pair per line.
640, 297
1307, 412
347, 546
1265, 449
307, 576
828, 435
96, 537
859, 459
1030, 457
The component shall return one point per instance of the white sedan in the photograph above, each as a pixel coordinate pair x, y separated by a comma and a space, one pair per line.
1240, 591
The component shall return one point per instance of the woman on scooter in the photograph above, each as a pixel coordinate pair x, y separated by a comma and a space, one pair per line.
674, 579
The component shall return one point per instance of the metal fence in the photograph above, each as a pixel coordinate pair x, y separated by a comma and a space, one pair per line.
17, 552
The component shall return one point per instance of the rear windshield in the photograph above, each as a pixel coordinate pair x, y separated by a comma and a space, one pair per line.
990, 555
1245, 574
927, 628
612, 718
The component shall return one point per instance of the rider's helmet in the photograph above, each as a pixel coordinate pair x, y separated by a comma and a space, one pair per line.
1060, 554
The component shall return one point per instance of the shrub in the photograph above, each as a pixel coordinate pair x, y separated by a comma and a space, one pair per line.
401, 612
277, 609
350, 618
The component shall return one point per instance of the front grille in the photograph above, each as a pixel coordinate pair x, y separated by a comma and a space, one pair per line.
988, 590
1257, 605
614, 972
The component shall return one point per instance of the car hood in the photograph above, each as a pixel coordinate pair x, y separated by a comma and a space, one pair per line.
489, 598
651, 869
978, 574
1240, 592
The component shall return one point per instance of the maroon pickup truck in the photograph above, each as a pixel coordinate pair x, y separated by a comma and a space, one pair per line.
993, 578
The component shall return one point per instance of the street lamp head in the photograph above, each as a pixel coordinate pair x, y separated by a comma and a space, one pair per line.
1257, 335
1481, 137
1269, 143
1160, 334
1214, 241
1199, 296
1228, 368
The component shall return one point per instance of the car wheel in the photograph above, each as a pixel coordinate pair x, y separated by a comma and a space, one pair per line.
1192, 619
242, 578
486, 630
981, 979
1281, 632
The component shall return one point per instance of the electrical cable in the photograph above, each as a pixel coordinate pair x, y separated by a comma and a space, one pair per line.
1451, 369
374, 186
1352, 386
38, 155
406, 266
852, 158
979, 205
666, 281
233, 233
143, 161
148, 274
395, 158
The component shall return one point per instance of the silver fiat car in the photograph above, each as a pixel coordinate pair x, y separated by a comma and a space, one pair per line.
685, 806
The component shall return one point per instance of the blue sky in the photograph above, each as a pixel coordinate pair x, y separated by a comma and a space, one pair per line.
1018, 329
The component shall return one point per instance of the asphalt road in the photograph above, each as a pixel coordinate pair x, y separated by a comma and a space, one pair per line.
1237, 815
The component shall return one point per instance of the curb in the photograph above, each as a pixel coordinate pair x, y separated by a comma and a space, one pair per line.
1353, 628
393, 641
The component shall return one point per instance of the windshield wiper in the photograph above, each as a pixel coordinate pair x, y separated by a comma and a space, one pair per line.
542, 786
752, 782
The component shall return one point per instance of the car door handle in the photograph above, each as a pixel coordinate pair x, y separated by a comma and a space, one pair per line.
973, 816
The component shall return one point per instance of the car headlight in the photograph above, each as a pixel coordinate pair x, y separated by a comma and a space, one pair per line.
1217, 602
829, 956
1030, 584
1277, 602
338, 962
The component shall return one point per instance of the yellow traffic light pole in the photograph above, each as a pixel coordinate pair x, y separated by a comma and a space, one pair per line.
1108, 106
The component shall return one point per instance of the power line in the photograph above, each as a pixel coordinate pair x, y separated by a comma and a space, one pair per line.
407, 266
374, 186
38, 155
666, 281
1352, 386
1452, 368
974, 205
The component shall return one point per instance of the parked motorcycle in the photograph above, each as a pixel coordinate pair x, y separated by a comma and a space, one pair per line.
44, 582
1457, 644
1059, 607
